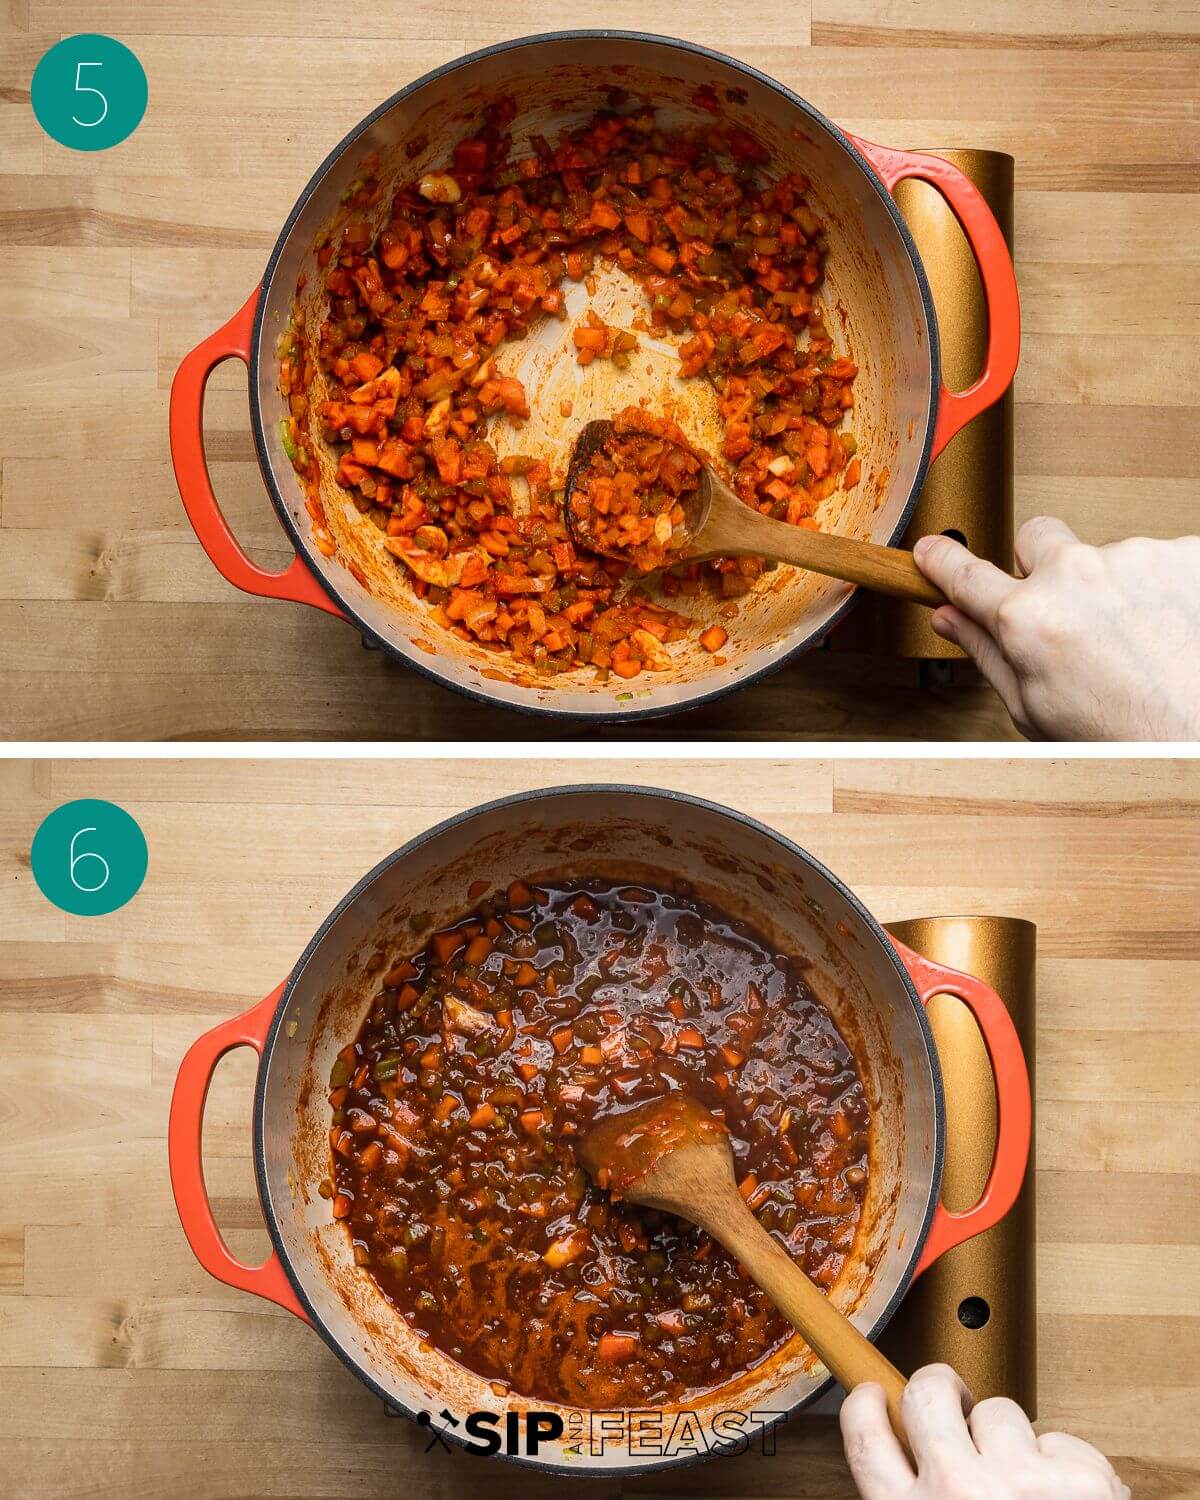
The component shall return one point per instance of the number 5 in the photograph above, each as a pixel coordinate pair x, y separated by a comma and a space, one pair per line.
78, 859
86, 88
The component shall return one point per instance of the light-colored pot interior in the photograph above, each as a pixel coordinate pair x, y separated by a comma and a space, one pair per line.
874, 309
621, 834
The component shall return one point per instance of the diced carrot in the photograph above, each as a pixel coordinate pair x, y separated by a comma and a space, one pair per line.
616, 1348
445, 945
366, 366
690, 1037
714, 637
589, 338
562, 1251
759, 1196
482, 1117
477, 950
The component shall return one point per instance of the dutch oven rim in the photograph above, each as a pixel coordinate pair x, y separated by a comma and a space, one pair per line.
517, 799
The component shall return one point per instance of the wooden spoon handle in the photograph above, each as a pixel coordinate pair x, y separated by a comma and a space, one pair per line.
887, 570
850, 1358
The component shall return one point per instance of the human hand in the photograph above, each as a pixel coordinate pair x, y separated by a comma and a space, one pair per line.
964, 1451
1091, 643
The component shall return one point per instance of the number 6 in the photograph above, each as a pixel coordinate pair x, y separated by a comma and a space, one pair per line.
86, 88
78, 859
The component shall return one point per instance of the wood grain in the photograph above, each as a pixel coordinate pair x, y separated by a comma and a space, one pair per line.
114, 624
126, 1371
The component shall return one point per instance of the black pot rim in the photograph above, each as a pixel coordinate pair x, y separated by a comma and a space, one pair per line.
519, 799
480, 694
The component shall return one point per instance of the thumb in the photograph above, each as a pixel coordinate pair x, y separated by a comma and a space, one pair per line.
976, 586
952, 625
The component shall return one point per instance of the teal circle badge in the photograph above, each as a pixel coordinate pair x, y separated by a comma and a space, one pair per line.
89, 92
89, 857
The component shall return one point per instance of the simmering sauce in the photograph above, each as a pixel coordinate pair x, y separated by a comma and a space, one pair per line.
484, 1057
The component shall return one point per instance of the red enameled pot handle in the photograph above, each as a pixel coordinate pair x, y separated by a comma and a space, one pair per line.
988, 245
187, 1166
296, 582
1014, 1104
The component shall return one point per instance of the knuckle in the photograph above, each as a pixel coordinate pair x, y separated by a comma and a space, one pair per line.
926, 1381
970, 574
1081, 563
1032, 625
995, 1406
1028, 530
1014, 617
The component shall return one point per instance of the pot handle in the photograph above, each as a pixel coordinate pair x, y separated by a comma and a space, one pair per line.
296, 582
187, 1168
1014, 1104
990, 249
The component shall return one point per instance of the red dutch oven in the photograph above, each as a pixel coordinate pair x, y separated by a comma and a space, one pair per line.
878, 308
875, 987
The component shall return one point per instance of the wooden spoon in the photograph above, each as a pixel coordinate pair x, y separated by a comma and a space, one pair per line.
718, 524
671, 1154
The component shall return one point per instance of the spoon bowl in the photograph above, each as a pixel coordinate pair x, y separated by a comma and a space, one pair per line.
717, 523
673, 1155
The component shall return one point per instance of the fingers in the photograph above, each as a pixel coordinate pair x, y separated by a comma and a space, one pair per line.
952, 625
1001, 1430
1038, 538
933, 1406
877, 1462
1063, 1445
975, 585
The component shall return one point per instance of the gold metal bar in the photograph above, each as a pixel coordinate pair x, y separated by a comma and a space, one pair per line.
969, 489
976, 1307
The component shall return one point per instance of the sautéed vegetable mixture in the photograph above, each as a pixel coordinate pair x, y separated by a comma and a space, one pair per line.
730, 259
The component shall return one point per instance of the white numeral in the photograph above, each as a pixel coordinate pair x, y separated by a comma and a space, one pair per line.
86, 88
78, 859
